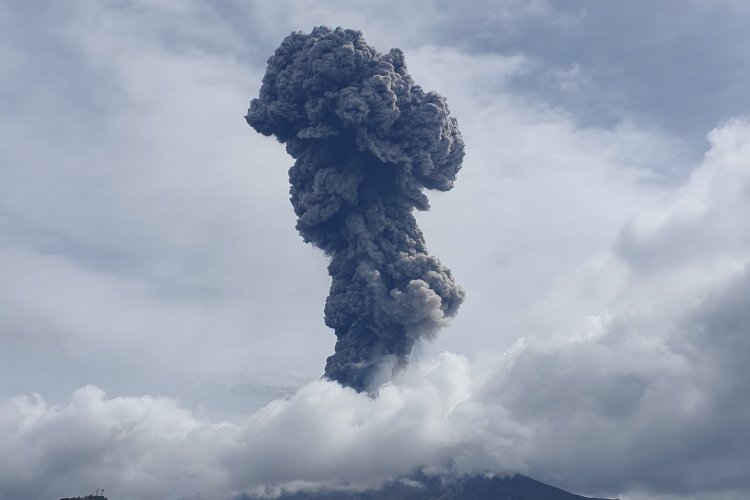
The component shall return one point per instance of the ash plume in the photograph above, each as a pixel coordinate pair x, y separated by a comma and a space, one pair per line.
366, 141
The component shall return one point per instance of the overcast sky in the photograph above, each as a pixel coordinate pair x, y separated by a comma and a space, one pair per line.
161, 321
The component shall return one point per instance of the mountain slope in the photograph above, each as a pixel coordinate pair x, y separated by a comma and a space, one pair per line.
421, 487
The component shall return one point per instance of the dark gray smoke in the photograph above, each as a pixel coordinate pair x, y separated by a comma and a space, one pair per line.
366, 141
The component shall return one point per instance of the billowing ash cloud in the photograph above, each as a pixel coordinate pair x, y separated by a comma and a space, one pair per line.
366, 141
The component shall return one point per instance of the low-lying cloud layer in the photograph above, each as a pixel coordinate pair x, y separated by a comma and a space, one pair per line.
323, 435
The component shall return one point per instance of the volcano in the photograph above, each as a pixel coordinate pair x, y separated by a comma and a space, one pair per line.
424, 487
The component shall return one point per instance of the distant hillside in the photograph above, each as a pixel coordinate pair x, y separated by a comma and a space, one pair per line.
421, 487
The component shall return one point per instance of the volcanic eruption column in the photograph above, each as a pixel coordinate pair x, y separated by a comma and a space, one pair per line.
366, 141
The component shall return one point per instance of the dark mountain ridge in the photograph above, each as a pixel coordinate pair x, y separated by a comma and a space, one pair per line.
423, 487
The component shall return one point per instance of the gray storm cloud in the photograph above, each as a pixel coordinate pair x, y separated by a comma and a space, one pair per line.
366, 142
